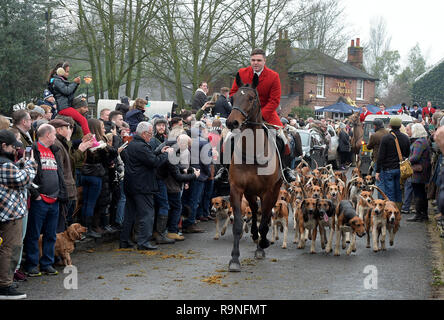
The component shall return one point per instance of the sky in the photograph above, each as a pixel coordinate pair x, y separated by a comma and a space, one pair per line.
408, 22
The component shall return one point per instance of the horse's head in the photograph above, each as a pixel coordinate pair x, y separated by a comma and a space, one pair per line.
245, 104
354, 118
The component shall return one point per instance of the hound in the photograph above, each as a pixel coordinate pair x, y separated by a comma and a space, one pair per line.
307, 220
393, 220
345, 220
279, 218
326, 210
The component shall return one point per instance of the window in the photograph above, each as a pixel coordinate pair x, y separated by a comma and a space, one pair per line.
360, 90
320, 87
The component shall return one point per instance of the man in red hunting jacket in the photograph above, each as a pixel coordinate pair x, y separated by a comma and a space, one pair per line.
269, 87
269, 90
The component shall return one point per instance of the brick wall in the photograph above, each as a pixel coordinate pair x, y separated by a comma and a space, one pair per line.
333, 89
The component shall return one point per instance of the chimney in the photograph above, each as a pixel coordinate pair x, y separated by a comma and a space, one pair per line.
281, 61
355, 55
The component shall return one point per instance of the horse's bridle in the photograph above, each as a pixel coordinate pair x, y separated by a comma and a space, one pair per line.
243, 113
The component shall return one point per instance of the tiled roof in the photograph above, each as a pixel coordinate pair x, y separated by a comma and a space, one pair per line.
314, 62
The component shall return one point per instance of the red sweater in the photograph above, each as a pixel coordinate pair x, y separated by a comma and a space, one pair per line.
269, 89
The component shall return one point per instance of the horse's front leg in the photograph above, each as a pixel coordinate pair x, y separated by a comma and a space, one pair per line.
236, 198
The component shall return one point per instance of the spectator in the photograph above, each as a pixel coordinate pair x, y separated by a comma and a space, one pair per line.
387, 166
136, 114
427, 112
49, 100
408, 190
48, 112
49, 190
14, 179
375, 139
21, 121
140, 185
160, 135
364, 113
176, 128
4, 123
404, 109
187, 118
66, 153
63, 92
95, 181
178, 174
382, 110
415, 113
420, 158
200, 97
344, 145
223, 106
194, 197
104, 117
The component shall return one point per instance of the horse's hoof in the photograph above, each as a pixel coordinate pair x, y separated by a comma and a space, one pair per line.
234, 267
259, 254
264, 243
391, 243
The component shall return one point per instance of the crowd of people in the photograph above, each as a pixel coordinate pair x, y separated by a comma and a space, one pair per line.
116, 172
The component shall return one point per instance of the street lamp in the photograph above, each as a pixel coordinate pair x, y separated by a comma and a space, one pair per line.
87, 80
311, 95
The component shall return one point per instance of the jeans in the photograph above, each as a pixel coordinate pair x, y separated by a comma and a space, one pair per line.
43, 217
120, 211
161, 199
408, 195
139, 208
174, 200
196, 189
204, 206
78, 177
91, 190
391, 185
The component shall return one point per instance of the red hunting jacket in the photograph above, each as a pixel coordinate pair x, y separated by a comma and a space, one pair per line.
269, 89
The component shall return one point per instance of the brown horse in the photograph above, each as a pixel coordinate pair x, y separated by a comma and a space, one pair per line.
246, 179
356, 140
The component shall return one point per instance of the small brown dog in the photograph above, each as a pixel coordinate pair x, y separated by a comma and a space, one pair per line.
279, 218
64, 245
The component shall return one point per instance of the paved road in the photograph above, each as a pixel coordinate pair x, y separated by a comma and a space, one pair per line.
186, 269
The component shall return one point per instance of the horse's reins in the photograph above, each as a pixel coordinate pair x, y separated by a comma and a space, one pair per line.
247, 121
243, 113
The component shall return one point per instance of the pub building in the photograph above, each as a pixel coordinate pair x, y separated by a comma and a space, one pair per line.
314, 79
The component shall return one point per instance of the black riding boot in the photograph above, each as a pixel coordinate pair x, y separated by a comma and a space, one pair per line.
285, 160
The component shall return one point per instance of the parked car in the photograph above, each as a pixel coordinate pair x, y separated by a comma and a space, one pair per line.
366, 154
313, 149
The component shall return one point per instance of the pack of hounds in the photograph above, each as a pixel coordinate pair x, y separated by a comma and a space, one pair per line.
322, 200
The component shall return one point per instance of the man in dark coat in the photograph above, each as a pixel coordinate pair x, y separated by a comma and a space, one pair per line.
200, 97
387, 166
223, 106
140, 185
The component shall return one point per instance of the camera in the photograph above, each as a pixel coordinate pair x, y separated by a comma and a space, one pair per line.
28, 152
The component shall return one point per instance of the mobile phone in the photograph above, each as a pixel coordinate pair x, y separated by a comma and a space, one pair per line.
125, 145
28, 152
